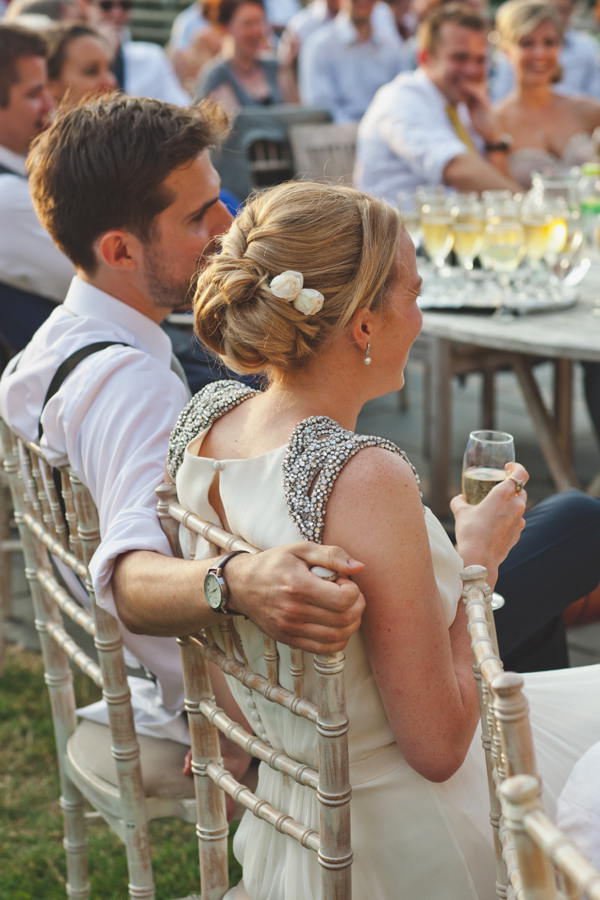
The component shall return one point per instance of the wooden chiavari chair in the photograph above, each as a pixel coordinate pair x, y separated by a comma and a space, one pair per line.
534, 859
330, 781
71, 536
551, 867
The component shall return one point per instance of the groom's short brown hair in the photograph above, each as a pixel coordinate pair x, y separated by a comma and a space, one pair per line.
102, 165
428, 35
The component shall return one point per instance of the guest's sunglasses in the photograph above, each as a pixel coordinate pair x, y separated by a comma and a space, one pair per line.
107, 5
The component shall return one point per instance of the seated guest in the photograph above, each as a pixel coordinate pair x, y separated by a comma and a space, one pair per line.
310, 298
579, 61
434, 125
134, 216
545, 126
34, 275
308, 21
190, 57
141, 67
242, 77
343, 64
79, 63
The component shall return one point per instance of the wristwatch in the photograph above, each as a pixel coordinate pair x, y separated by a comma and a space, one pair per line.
504, 144
215, 586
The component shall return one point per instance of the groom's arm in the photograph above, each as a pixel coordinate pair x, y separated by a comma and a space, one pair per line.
160, 595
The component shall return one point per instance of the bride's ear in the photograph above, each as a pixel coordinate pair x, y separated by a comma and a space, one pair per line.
361, 328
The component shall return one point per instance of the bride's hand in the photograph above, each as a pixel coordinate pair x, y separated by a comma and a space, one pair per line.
486, 532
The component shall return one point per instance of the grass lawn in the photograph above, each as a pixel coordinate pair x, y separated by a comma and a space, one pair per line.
32, 859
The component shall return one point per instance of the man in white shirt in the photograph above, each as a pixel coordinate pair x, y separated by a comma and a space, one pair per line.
579, 61
33, 274
134, 215
434, 126
342, 65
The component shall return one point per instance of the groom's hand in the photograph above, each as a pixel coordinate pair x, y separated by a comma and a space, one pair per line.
277, 591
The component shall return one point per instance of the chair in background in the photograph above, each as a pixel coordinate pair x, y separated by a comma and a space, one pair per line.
550, 865
331, 781
60, 532
324, 152
257, 152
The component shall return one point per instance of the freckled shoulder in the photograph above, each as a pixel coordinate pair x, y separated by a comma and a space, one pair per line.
318, 450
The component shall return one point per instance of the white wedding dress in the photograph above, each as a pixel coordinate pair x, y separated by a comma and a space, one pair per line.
412, 839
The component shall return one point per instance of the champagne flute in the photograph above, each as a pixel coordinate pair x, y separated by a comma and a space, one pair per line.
468, 225
486, 454
411, 216
485, 457
438, 237
538, 222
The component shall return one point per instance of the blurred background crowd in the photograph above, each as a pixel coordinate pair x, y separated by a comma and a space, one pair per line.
432, 96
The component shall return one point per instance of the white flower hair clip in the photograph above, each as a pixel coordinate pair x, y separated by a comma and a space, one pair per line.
289, 286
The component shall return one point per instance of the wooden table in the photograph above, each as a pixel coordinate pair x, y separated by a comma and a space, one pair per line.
563, 336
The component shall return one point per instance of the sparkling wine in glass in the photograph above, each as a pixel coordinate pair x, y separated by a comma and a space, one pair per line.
486, 455
438, 236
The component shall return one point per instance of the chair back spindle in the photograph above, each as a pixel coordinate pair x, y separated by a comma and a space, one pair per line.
224, 646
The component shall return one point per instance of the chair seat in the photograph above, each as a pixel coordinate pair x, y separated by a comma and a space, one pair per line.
162, 761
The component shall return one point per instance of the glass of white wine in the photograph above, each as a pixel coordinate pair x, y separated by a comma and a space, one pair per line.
468, 224
485, 457
408, 204
486, 454
538, 221
438, 236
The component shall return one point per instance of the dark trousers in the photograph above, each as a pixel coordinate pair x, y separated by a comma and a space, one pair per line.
591, 384
556, 561
21, 314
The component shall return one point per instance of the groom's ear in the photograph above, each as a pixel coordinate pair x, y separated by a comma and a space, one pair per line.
361, 327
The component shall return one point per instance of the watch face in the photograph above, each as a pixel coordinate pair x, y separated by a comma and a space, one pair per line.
212, 591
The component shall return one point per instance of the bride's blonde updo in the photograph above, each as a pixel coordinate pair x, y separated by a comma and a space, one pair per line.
341, 240
516, 18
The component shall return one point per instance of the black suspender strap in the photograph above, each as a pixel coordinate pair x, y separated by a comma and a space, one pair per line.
67, 367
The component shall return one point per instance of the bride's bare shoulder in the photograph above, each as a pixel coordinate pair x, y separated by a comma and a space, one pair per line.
374, 471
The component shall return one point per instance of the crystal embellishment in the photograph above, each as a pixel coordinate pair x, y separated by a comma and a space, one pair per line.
317, 451
204, 408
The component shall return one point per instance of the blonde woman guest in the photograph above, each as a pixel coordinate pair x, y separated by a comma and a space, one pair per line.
546, 127
318, 286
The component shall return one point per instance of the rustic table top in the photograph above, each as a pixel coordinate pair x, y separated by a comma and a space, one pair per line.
569, 333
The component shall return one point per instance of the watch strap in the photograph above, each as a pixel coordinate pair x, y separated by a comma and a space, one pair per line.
217, 570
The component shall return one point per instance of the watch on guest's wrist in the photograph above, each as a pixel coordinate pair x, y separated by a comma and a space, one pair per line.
216, 590
503, 144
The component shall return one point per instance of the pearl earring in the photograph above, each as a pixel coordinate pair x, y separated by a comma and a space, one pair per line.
368, 355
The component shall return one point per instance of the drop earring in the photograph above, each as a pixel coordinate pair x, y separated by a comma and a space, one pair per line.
368, 355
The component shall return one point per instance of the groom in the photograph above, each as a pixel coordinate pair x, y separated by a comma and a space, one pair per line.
126, 189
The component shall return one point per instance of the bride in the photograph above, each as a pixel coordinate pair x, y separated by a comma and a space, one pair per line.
546, 127
318, 286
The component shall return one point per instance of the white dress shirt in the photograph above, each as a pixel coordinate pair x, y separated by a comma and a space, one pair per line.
111, 420
406, 138
342, 73
579, 61
316, 14
147, 72
29, 258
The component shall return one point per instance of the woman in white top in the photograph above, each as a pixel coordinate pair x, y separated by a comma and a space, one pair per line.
318, 285
546, 127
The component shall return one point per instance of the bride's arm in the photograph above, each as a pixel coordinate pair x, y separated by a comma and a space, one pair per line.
423, 669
